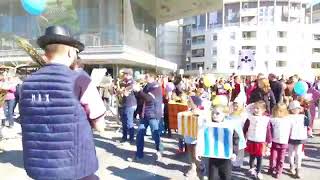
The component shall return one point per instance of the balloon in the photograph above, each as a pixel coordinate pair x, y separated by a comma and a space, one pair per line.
208, 80
34, 7
300, 88
227, 87
220, 100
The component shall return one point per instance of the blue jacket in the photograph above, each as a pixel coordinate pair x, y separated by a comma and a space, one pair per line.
129, 101
56, 135
152, 96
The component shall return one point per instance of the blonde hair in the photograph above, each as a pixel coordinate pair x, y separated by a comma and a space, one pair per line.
225, 109
261, 104
280, 110
265, 85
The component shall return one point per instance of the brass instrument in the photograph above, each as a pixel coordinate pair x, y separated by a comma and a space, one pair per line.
30, 50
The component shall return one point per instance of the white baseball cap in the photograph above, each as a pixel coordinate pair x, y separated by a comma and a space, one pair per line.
294, 105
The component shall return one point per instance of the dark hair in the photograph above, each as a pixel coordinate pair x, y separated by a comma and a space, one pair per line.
151, 73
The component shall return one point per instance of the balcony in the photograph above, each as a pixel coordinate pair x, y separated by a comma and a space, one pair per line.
247, 12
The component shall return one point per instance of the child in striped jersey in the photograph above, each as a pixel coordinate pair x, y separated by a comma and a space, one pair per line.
219, 143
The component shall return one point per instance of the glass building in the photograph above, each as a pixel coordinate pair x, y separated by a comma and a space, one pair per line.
115, 32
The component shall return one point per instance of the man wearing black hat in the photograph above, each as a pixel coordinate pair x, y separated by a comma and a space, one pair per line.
57, 106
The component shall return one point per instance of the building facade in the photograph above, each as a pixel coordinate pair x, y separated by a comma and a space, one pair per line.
283, 34
116, 33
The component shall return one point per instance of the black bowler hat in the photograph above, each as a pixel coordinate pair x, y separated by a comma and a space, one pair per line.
59, 35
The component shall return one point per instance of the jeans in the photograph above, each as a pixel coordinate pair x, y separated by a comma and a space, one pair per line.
127, 121
154, 125
161, 127
8, 111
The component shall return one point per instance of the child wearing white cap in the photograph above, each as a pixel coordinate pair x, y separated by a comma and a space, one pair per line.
298, 137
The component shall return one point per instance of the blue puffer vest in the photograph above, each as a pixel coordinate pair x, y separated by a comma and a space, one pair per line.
152, 109
56, 135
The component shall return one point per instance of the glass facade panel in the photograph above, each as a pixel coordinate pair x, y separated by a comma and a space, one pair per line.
96, 23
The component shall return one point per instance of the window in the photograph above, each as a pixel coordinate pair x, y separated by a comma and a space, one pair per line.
198, 52
214, 51
282, 34
188, 28
188, 67
249, 34
281, 49
315, 65
315, 50
198, 39
316, 37
232, 50
214, 37
196, 66
231, 64
249, 47
233, 35
214, 65
281, 63
188, 41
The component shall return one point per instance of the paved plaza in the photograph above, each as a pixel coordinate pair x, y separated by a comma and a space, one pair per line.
114, 165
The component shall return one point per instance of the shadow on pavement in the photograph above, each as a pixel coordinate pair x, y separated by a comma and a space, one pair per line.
13, 157
312, 151
121, 153
134, 174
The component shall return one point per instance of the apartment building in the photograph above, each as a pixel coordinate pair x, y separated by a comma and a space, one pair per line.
284, 34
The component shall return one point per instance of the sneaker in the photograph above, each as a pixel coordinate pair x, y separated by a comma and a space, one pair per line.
270, 172
276, 175
132, 142
252, 171
134, 159
159, 156
292, 172
123, 140
298, 174
259, 176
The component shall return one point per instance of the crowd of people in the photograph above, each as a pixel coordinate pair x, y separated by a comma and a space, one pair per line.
236, 115
273, 118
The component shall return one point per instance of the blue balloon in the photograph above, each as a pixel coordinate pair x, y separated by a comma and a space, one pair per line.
300, 88
34, 7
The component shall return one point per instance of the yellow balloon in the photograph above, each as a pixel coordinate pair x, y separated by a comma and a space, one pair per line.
208, 80
227, 86
220, 100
